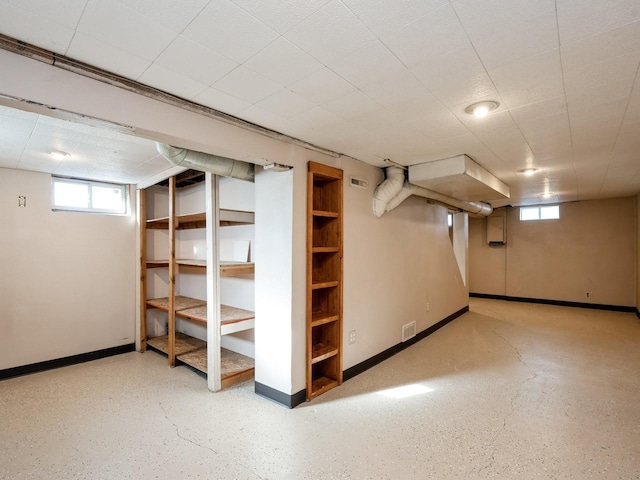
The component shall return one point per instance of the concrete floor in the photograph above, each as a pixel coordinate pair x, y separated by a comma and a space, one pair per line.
509, 391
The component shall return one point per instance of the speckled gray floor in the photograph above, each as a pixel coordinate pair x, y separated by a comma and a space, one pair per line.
509, 391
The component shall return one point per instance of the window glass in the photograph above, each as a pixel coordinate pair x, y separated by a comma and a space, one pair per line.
551, 212
89, 196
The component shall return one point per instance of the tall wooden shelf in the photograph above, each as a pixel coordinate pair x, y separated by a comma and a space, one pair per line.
180, 347
324, 278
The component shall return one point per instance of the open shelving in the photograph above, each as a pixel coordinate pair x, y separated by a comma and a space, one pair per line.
179, 347
324, 278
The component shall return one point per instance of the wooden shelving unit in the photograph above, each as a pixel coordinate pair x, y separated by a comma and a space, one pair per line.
324, 279
179, 347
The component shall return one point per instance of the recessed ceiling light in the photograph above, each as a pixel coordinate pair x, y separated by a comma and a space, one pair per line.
528, 171
481, 109
59, 155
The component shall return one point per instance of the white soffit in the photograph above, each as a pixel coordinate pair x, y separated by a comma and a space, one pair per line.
459, 177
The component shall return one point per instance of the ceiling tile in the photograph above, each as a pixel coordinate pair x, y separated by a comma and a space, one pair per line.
368, 64
461, 63
464, 91
398, 88
322, 86
195, 61
114, 24
317, 118
263, 117
538, 34
109, 58
580, 77
280, 15
598, 48
479, 18
384, 17
174, 15
218, 25
247, 85
283, 62
65, 13
430, 36
285, 104
171, 82
221, 101
351, 105
29, 27
583, 19
529, 81
330, 33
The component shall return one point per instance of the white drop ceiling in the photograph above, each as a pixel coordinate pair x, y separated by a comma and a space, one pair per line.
372, 79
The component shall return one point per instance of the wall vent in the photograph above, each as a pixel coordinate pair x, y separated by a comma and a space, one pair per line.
358, 182
408, 331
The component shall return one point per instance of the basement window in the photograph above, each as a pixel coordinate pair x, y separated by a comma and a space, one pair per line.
76, 195
551, 212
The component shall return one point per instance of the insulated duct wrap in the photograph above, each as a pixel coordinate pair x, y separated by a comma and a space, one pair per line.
395, 190
206, 162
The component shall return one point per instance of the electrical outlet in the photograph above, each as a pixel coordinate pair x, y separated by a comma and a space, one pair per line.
22, 201
352, 337
428, 306
587, 294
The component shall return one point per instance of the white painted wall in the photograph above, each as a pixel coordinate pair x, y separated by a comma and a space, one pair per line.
393, 265
68, 283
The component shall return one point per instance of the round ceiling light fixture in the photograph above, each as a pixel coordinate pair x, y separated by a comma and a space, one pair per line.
481, 109
59, 155
528, 171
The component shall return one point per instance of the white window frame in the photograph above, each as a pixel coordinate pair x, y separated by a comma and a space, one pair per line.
123, 209
543, 212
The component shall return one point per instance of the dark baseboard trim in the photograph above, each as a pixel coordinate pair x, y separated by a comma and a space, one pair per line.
65, 362
637, 313
349, 373
281, 398
561, 303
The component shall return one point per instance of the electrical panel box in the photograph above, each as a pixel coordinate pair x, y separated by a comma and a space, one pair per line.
496, 231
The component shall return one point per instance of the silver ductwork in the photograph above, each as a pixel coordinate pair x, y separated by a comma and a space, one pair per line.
396, 189
206, 162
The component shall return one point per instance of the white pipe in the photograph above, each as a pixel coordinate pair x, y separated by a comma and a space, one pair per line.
387, 190
387, 196
206, 162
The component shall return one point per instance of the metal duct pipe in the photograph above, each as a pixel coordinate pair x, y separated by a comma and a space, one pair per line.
382, 202
387, 190
206, 162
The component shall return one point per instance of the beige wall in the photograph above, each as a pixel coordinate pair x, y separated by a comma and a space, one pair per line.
68, 283
591, 248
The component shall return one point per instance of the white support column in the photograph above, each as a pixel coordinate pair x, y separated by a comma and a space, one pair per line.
461, 244
213, 282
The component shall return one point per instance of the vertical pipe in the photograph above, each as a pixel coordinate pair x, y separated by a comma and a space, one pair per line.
173, 223
142, 219
212, 210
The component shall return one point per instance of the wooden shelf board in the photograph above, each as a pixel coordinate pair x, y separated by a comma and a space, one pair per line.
181, 303
236, 217
324, 213
161, 223
233, 319
321, 385
330, 284
325, 249
321, 318
199, 220
232, 364
189, 262
157, 263
321, 352
184, 343
233, 269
